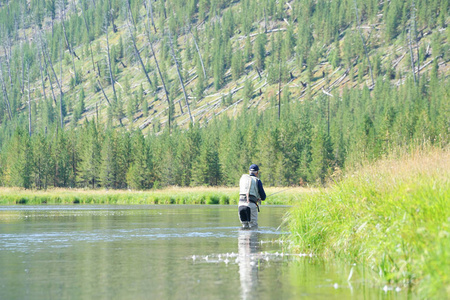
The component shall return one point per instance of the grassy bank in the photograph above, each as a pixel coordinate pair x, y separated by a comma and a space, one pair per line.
393, 216
201, 195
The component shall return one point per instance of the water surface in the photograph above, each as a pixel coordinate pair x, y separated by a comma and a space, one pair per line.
162, 252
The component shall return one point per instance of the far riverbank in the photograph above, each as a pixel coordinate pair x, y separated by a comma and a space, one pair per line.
172, 195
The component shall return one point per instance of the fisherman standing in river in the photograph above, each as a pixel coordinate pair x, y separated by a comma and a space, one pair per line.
251, 193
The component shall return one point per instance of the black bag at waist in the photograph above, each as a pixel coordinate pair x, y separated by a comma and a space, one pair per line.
243, 198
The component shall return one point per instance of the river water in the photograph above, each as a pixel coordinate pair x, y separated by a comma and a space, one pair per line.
163, 252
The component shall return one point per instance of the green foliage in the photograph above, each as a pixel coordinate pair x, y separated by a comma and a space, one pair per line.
388, 216
248, 54
316, 135
248, 90
237, 66
260, 51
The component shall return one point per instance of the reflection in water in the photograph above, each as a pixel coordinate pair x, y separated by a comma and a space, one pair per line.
162, 252
249, 245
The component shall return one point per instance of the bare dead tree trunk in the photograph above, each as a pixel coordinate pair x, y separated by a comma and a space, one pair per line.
279, 88
42, 75
259, 73
156, 61
413, 15
61, 95
87, 30
364, 43
8, 65
104, 94
71, 51
51, 83
265, 21
411, 54
148, 8
112, 16
52, 22
22, 66
131, 14
46, 68
198, 51
109, 62
5, 93
46, 55
180, 78
7, 47
29, 103
138, 56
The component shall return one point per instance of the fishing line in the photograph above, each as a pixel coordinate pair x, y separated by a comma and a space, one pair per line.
280, 191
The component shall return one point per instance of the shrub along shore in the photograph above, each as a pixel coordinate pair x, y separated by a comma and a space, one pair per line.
173, 195
392, 216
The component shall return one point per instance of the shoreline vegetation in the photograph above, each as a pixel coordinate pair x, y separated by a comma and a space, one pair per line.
392, 216
172, 195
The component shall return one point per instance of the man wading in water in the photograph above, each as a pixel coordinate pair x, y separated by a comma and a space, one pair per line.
251, 192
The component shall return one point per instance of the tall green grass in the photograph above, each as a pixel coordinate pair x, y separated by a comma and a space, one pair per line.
393, 216
202, 195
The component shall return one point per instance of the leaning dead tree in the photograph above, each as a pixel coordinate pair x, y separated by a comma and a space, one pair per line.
92, 55
46, 68
198, 50
148, 8
136, 50
411, 54
364, 43
88, 33
180, 78
131, 14
69, 47
147, 27
111, 76
41, 71
49, 61
111, 16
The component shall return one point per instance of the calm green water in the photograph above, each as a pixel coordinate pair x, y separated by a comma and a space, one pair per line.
162, 252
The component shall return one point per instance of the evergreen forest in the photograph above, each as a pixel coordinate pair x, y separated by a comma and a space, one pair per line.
144, 94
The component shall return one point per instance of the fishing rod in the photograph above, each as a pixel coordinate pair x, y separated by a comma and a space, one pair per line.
257, 206
279, 192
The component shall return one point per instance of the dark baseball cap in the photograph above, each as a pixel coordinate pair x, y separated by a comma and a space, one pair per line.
254, 168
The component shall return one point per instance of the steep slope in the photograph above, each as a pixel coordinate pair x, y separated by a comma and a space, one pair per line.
301, 87
313, 47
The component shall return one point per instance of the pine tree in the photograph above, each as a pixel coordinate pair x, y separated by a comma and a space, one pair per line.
20, 161
60, 157
248, 50
260, 51
145, 107
139, 174
236, 65
89, 170
248, 91
40, 160
321, 156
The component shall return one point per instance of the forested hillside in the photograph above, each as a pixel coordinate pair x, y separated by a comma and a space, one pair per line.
142, 94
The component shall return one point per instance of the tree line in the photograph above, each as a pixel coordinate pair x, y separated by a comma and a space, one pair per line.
314, 140
77, 76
